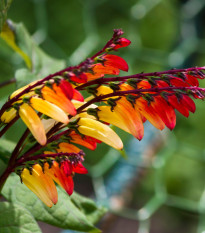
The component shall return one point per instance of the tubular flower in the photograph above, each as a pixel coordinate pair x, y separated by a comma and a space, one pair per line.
63, 174
33, 122
41, 184
9, 115
114, 61
56, 96
49, 109
86, 141
99, 131
67, 147
121, 42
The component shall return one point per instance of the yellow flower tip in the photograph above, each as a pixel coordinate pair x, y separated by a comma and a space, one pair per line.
40, 184
33, 122
22, 89
8, 116
100, 131
49, 109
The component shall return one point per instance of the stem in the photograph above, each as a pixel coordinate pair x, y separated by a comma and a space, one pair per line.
137, 76
4, 177
3, 84
16, 150
135, 91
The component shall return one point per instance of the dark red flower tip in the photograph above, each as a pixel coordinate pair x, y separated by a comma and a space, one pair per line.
66, 88
121, 42
77, 95
115, 61
79, 168
80, 78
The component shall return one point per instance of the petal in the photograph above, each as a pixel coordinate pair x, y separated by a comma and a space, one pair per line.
33, 122
165, 112
58, 175
68, 148
58, 98
77, 95
99, 131
86, 141
49, 109
115, 61
149, 113
121, 42
66, 88
79, 168
41, 184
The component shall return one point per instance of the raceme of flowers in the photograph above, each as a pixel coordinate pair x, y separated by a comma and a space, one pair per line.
58, 118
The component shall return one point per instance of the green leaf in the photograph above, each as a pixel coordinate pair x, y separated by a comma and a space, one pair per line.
38, 63
6, 147
15, 218
65, 214
88, 207
4, 6
8, 34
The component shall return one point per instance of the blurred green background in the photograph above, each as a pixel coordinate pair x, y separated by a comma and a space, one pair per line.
165, 34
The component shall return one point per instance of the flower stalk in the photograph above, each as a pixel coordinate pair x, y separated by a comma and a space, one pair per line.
59, 118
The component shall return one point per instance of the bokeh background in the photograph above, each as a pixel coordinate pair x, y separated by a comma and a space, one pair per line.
160, 187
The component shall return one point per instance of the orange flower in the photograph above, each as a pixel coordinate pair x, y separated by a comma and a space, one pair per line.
56, 96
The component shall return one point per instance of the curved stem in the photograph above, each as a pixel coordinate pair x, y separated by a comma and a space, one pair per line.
4, 177
16, 150
140, 76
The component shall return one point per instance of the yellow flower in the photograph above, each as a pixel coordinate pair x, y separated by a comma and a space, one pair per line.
8, 116
49, 109
40, 184
99, 131
33, 122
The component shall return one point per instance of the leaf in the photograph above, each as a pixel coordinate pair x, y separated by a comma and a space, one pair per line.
6, 147
88, 207
4, 6
65, 214
38, 63
8, 34
14, 218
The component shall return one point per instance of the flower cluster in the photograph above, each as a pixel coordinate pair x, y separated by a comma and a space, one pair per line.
58, 117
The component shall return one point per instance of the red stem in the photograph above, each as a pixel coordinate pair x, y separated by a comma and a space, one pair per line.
137, 76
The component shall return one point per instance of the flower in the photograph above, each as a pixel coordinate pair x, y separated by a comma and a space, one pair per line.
99, 131
33, 122
49, 109
55, 95
41, 184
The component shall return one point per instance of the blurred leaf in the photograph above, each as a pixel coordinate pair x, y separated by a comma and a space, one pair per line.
39, 64
4, 6
6, 148
8, 34
64, 214
88, 207
14, 218
42, 64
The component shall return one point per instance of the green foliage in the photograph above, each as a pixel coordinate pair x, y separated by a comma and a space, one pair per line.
75, 212
38, 63
4, 6
15, 218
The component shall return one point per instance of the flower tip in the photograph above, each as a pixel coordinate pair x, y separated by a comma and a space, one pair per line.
42, 141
